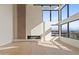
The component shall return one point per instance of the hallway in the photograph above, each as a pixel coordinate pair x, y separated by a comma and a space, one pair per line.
38, 48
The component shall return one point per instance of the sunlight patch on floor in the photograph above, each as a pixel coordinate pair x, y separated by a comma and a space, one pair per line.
47, 44
53, 43
54, 38
11, 47
61, 46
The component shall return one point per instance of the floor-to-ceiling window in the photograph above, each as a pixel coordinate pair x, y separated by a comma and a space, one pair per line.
46, 16
65, 26
64, 12
50, 14
64, 30
54, 31
54, 17
74, 25
74, 29
73, 9
54, 22
70, 26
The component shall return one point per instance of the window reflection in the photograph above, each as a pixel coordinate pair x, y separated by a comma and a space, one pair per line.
74, 29
54, 17
64, 12
46, 16
64, 30
73, 9
54, 30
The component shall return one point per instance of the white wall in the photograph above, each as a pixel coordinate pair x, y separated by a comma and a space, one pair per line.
38, 30
34, 23
6, 21
48, 30
15, 21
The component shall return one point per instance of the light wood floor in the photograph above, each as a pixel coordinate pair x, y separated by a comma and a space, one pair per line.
38, 48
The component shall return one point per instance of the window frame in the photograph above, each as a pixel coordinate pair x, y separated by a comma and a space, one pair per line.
67, 17
69, 27
51, 17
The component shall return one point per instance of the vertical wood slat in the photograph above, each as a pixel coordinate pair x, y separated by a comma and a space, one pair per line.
21, 21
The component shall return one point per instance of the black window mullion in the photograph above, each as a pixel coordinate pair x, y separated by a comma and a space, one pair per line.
58, 21
50, 13
68, 17
50, 16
